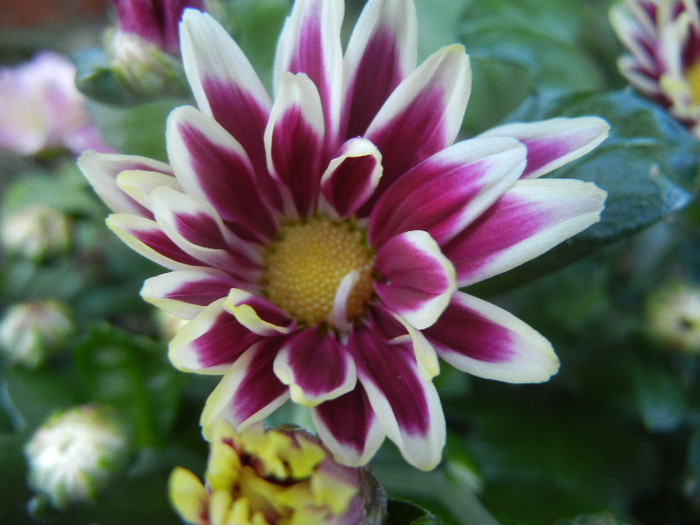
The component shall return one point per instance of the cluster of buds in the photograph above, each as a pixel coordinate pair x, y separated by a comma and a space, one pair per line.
267, 477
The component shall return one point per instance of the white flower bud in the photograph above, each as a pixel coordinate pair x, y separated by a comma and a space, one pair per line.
36, 231
673, 316
75, 454
30, 331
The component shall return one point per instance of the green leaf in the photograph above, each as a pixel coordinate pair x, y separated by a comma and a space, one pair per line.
131, 373
135, 130
551, 49
648, 166
660, 397
405, 512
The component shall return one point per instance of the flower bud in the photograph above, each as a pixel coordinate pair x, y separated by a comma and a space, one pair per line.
75, 454
673, 316
30, 331
36, 231
275, 476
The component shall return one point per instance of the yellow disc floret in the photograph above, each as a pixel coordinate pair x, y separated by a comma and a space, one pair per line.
305, 266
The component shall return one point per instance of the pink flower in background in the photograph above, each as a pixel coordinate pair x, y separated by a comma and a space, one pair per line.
662, 38
41, 109
317, 239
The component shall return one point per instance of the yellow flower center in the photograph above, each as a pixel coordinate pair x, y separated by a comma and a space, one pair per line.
692, 74
307, 263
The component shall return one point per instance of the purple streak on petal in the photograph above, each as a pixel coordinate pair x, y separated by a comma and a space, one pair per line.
318, 362
504, 224
392, 369
229, 185
224, 342
411, 137
349, 418
542, 150
369, 90
161, 243
245, 119
296, 157
410, 275
465, 331
199, 229
430, 197
260, 386
347, 188
203, 291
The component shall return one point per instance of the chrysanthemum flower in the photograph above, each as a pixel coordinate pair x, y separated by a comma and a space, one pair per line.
663, 41
318, 241
261, 477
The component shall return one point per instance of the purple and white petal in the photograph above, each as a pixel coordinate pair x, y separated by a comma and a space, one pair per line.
530, 219
348, 427
384, 39
249, 391
310, 44
417, 280
447, 191
138, 184
351, 178
194, 225
316, 366
424, 113
294, 140
211, 342
555, 142
407, 406
148, 239
484, 340
212, 165
184, 293
224, 83
101, 170
258, 314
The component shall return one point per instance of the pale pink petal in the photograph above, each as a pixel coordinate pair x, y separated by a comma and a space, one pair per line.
210, 342
482, 339
416, 280
310, 44
348, 427
447, 191
211, 164
533, 217
101, 170
316, 367
407, 406
224, 83
351, 177
294, 140
555, 142
384, 39
250, 390
184, 293
424, 113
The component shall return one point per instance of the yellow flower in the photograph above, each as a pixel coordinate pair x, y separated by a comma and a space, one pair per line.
266, 477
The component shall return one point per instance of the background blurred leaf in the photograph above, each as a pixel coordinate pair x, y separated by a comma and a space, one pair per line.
648, 165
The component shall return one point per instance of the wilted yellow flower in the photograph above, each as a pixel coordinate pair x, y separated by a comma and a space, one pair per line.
281, 477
